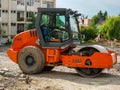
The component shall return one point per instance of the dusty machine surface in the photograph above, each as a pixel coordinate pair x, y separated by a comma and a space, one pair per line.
54, 42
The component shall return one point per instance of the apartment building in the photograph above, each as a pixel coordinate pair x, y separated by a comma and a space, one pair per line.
15, 14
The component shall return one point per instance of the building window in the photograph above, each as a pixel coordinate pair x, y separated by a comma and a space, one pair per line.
30, 2
13, 24
5, 11
13, 11
49, 4
20, 28
20, 2
35, 13
29, 14
20, 16
4, 24
37, 0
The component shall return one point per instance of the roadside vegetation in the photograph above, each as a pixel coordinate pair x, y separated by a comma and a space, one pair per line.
32, 20
102, 27
111, 28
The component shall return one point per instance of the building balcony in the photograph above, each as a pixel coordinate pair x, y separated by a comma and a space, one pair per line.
20, 7
31, 8
20, 19
28, 19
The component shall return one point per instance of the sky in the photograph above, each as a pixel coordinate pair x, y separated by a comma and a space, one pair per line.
91, 7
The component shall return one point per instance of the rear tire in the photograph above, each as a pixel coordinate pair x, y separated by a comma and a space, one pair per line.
31, 60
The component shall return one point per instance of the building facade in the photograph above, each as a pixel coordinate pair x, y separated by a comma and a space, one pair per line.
15, 14
84, 22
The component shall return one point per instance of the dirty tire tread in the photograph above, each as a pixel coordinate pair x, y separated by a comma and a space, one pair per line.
39, 59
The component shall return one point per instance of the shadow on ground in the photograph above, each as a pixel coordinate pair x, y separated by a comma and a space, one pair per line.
103, 79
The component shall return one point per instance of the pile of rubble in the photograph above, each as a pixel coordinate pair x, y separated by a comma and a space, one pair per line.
9, 79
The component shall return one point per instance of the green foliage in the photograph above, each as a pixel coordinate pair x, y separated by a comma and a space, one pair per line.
32, 20
89, 33
2, 32
105, 15
100, 16
111, 28
8, 42
94, 20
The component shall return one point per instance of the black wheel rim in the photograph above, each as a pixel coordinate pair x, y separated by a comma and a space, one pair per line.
29, 61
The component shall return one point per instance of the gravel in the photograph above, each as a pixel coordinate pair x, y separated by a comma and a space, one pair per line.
60, 78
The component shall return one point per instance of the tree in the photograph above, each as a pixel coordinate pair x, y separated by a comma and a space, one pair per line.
111, 28
100, 16
89, 33
32, 20
94, 20
105, 15
86, 17
2, 32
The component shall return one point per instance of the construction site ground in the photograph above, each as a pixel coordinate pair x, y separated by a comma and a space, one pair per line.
60, 78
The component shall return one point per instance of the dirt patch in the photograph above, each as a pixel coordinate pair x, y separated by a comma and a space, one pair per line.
60, 78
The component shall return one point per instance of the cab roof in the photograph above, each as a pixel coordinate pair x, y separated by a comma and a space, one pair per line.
52, 10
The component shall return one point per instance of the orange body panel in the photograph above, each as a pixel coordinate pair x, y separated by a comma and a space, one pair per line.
27, 38
13, 55
52, 55
104, 61
24, 39
55, 56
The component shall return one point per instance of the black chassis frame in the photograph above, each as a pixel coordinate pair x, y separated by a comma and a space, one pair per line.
59, 45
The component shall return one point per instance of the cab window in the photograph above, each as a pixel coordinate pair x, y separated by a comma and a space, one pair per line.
74, 28
53, 27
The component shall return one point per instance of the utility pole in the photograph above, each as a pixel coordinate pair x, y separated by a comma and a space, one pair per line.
9, 20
